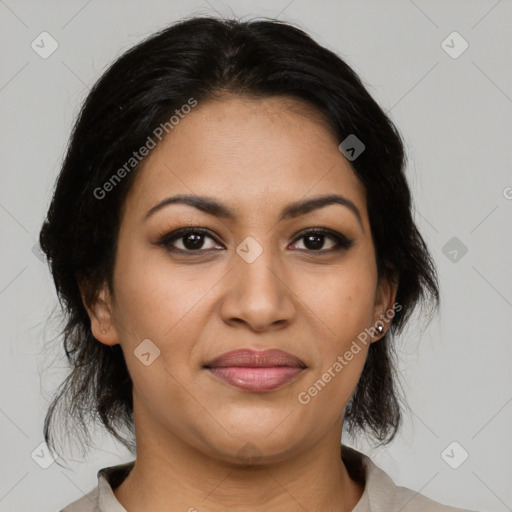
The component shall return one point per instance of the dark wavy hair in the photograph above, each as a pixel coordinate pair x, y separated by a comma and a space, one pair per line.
204, 57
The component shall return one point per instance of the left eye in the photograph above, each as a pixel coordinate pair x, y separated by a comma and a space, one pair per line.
314, 241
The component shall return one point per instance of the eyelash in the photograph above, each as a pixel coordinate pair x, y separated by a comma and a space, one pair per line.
343, 243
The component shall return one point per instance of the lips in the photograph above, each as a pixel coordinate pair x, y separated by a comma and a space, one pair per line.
256, 359
256, 371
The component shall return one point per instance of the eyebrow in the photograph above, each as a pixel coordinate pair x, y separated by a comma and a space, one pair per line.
213, 207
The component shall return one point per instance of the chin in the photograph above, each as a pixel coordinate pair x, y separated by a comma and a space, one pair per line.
256, 446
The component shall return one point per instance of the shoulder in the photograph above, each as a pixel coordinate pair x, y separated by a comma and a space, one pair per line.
408, 500
381, 494
101, 498
87, 503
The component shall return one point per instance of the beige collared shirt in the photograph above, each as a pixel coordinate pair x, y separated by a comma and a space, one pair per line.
380, 492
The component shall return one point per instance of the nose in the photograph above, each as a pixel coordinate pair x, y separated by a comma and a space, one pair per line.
258, 294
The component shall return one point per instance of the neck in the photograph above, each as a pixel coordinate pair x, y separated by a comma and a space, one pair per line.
170, 474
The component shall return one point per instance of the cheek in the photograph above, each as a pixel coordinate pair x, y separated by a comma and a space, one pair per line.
342, 301
162, 304
153, 298
167, 305
342, 307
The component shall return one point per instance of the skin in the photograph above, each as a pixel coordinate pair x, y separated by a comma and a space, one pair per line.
255, 156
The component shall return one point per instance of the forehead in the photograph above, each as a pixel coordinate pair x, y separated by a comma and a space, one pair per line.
248, 151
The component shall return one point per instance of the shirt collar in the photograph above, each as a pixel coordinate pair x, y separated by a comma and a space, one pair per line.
380, 492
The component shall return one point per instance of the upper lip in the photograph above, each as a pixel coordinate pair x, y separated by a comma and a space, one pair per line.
256, 358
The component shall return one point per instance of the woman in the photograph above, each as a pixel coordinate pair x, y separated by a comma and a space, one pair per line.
232, 240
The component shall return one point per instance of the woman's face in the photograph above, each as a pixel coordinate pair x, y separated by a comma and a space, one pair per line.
255, 279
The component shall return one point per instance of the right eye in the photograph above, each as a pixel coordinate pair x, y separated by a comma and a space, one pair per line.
188, 240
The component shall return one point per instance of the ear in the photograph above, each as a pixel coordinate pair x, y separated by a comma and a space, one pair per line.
100, 311
383, 312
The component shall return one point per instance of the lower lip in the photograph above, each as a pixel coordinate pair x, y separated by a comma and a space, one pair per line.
257, 378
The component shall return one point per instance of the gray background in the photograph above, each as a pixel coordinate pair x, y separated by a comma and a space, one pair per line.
456, 117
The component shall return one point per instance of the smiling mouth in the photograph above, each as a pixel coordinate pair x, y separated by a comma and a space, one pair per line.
256, 371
